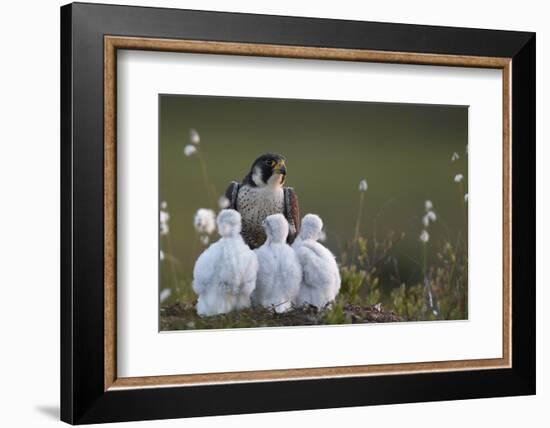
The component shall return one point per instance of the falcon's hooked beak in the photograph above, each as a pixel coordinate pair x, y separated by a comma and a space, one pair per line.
280, 168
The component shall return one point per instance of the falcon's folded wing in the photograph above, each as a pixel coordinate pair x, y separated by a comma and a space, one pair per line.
231, 194
292, 213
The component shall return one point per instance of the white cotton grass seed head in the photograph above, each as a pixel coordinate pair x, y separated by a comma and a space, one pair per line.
424, 236
223, 203
363, 186
164, 218
205, 221
161, 255
165, 294
189, 150
466, 197
428, 205
163, 205
458, 178
426, 220
194, 136
455, 157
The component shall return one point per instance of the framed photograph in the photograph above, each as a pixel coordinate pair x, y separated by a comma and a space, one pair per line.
265, 213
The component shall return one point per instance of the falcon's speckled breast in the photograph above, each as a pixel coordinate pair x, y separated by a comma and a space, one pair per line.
255, 204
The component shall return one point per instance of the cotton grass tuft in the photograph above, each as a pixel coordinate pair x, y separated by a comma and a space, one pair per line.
428, 205
223, 202
164, 219
424, 236
194, 136
205, 221
189, 150
165, 294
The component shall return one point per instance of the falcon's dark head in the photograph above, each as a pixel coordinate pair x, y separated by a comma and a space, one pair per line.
267, 170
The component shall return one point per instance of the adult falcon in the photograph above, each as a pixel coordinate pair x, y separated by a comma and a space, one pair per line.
261, 193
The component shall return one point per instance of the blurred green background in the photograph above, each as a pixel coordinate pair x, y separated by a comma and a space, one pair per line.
402, 150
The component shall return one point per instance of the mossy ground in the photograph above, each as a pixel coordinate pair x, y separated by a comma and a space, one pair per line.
184, 316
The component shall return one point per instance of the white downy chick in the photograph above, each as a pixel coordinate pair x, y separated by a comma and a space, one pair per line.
225, 273
279, 272
321, 276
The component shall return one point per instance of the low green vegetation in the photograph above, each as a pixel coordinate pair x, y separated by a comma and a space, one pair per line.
442, 294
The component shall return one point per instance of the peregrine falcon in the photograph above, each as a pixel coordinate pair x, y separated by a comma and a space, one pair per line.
262, 193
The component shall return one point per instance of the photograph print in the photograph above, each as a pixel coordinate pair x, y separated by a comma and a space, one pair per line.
291, 212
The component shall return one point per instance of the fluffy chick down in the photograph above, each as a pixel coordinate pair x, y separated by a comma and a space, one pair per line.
224, 275
279, 272
321, 277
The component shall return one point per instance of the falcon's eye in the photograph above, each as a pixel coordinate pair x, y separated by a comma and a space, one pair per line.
270, 162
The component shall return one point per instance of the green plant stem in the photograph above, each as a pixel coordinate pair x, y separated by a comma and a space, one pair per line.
424, 259
172, 264
463, 203
427, 285
357, 225
210, 188
456, 251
